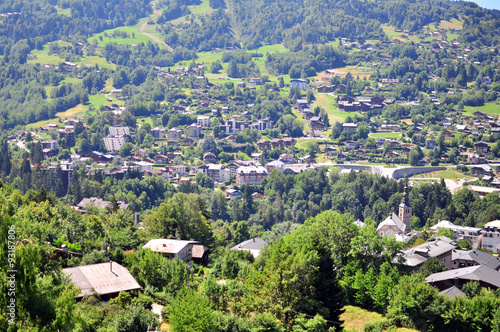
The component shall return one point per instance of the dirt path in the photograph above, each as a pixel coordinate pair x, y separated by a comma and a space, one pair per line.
143, 26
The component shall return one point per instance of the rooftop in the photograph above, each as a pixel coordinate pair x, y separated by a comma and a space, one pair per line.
477, 256
474, 273
103, 278
167, 246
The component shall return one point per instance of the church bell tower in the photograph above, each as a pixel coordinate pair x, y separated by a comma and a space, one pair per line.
405, 211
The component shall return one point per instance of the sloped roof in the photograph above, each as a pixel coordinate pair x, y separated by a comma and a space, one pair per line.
443, 224
167, 246
104, 278
452, 292
474, 273
476, 256
253, 245
199, 250
392, 220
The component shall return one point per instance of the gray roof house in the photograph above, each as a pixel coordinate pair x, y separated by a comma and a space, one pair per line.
466, 258
483, 274
441, 248
253, 246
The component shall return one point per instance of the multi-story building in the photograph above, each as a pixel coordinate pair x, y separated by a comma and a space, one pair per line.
491, 236
174, 134
203, 121
218, 173
193, 130
158, 132
119, 131
251, 175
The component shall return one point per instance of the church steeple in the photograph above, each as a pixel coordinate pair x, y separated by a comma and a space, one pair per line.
405, 210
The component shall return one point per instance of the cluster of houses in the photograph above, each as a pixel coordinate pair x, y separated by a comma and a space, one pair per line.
316, 123
107, 280
363, 104
462, 266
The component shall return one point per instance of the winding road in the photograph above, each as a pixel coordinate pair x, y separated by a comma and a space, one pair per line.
143, 26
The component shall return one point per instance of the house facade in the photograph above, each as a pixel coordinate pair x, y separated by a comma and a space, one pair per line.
250, 175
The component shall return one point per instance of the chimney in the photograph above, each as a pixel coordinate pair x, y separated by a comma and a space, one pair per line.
110, 265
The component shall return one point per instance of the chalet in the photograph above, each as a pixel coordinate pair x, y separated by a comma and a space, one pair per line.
277, 143
481, 147
482, 170
160, 159
104, 279
317, 124
430, 144
351, 144
173, 143
480, 114
209, 157
99, 157
287, 158
394, 144
392, 154
187, 141
474, 158
255, 81
263, 144
289, 141
361, 152
232, 193
231, 139
258, 196
495, 131
302, 104
326, 88
349, 126
461, 128
341, 156
447, 133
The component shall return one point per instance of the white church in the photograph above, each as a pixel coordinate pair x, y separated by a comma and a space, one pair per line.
398, 225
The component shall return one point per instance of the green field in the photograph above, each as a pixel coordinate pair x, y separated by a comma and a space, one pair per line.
135, 37
203, 8
355, 318
61, 11
491, 109
386, 135
304, 142
270, 49
43, 56
449, 173
327, 102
